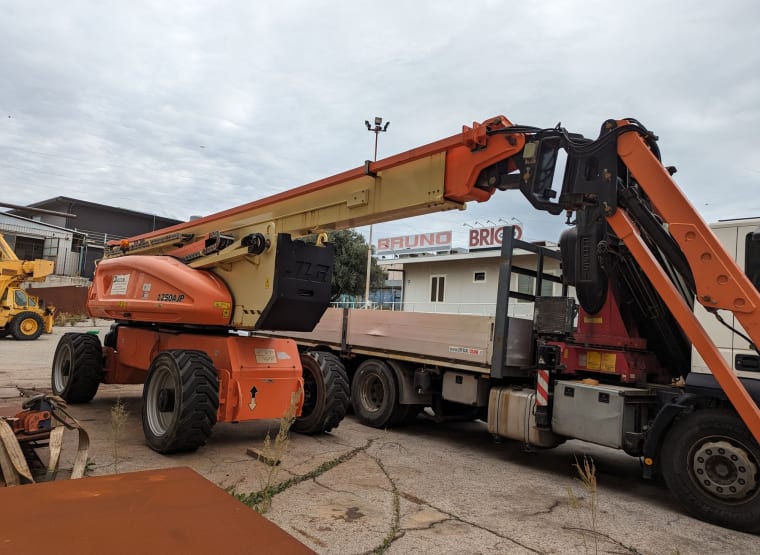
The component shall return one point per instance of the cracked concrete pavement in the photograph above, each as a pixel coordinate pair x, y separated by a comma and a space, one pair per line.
425, 488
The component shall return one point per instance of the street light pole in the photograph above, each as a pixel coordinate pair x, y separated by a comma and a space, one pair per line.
377, 129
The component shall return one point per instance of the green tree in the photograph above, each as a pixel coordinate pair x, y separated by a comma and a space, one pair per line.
350, 271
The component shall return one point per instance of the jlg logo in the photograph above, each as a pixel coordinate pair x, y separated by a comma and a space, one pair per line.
311, 272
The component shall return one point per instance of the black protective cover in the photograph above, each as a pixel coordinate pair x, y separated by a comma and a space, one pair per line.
301, 289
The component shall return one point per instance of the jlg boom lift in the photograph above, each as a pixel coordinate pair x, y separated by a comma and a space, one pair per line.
176, 294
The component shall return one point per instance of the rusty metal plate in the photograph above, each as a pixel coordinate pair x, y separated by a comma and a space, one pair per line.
173, 510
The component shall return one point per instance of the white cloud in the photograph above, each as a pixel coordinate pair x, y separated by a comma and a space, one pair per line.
180, 108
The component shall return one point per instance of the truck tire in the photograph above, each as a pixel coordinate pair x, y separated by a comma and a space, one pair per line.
77, 367
325, 393
374, 395
180, 401
26, 326
711, 464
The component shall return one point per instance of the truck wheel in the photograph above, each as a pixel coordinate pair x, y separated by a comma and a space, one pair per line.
180, 401
711, 464
26, 326
325, 385
77, 367
374, 395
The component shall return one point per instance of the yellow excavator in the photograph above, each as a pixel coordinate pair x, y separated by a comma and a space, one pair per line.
22, 315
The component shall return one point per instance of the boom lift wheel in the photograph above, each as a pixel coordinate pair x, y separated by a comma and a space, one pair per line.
180, 401
26, 326
77, 367
325, 384
375, 397
711, 464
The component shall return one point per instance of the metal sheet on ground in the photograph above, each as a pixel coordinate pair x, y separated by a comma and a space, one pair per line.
173, 510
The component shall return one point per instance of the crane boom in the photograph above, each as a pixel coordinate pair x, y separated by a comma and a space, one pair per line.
249, 247
442, 175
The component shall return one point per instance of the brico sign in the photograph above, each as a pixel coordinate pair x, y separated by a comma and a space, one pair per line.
422, 242
490, 237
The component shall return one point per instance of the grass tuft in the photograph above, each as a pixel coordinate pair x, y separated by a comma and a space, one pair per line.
587, 476
119, 417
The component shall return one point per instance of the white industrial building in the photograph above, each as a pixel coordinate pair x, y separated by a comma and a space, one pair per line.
462, 281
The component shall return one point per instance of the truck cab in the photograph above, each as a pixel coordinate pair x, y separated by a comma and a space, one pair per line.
741, 239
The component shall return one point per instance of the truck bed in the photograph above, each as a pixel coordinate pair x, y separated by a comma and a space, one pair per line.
456, 340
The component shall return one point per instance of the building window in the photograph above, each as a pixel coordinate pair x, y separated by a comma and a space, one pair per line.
50, 249
479, 277
752, 259
437, 287
547, 288
29, 248
524, 286
527, 286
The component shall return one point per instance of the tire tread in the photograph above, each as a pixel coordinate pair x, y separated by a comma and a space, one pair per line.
199, 398
335, 396
86, 370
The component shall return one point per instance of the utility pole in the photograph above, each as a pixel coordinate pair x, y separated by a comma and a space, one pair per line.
377, 129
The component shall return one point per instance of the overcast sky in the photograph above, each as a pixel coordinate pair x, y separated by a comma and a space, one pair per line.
183, 108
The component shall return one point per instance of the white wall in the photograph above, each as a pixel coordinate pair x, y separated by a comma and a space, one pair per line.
462, 295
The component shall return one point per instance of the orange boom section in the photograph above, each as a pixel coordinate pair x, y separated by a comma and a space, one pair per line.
158, 289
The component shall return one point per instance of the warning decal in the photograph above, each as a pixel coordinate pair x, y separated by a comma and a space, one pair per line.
119, 284
266, 356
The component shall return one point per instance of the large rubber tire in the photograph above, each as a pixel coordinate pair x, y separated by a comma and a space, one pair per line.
26, 326
325, 393
711, 464
180, 401
77, 367
375, 397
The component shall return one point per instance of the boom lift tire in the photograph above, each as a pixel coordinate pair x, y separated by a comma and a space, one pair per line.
77, 367
180, 401
26, 326
325, 393
374, 395
711, 464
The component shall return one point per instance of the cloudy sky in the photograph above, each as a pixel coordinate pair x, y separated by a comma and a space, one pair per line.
191, 107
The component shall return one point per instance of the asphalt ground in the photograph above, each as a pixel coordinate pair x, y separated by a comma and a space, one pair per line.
424, 488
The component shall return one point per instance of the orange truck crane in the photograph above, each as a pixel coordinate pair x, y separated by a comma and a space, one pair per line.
185, 301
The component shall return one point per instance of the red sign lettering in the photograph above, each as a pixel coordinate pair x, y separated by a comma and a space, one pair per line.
440, 240
487, 237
